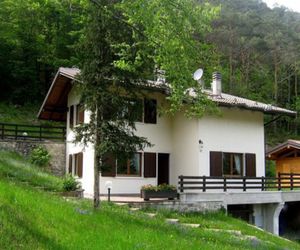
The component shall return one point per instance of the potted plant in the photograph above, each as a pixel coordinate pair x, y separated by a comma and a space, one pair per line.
71, 187
160, 191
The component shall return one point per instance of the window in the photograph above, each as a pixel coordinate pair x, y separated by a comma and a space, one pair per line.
79, 114
76, 164
232, 164
130, 167
150, 111
71, 116
133, 167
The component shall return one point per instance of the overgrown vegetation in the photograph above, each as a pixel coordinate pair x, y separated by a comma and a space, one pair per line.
15, 168
34, 219
70, 183
40, 156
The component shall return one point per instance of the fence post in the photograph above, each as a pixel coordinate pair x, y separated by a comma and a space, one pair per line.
279, 181
40, 133
292, 181
2, 132
16, 132
225, 186
262, 183
244, 183
204, 183
181, 183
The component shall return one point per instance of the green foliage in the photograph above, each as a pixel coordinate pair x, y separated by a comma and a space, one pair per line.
32, 219
40, 156
70, 183
15, 167
270, 168
36, 37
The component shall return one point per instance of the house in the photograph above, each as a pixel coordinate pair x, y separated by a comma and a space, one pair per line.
230, 145
286, 156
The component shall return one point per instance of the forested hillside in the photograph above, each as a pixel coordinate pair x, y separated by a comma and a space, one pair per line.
256, 49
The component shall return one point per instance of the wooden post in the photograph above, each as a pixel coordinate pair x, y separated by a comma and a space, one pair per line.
2, 132
181, 183
262, 183
292, 181
204, 184
225, 186
279, 181
16, 132
244, 183
40, 133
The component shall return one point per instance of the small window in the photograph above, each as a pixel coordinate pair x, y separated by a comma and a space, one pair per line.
71, 117
150, 111
232, 164
134, 110
130, 167
79, 114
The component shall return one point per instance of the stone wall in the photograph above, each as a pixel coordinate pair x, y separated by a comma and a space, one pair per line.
57, 150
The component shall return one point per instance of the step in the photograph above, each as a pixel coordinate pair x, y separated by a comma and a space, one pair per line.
172, 221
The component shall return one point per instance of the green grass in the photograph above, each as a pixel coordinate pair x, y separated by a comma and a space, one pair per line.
15, 168
35, 219
26, 114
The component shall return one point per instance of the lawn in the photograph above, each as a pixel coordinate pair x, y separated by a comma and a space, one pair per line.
32, 218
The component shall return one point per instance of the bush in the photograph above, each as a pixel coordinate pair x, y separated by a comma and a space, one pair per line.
40, 156
70, 183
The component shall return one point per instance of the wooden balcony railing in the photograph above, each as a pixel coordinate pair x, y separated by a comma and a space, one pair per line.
24, 132
288, 181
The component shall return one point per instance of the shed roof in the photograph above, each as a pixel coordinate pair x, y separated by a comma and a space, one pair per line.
283, 149
54, 106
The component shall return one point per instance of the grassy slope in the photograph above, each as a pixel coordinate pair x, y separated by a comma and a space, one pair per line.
35, 219
26, 114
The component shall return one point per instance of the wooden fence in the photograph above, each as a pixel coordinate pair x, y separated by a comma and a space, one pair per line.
289, 181
24, 132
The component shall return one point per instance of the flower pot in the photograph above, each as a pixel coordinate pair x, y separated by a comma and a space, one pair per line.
77, 193
147, 194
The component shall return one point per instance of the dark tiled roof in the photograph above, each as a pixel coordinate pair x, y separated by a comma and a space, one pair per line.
222, 100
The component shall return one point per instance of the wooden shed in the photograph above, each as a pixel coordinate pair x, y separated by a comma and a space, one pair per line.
286, 156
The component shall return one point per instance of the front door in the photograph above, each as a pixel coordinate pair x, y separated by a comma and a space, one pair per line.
163, 169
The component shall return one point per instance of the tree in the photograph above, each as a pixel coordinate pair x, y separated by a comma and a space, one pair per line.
125, 41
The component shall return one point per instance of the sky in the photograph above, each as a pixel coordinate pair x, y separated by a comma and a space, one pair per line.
291, 4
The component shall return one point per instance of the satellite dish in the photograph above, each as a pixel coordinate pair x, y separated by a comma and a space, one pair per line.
198, 74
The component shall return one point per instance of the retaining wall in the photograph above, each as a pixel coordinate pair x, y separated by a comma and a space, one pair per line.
57, 151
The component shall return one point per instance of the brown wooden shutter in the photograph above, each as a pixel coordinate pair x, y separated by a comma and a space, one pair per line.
79, 164
71, 117
79, 114
149, 165
70, 164
109, 166
250, 165
216, 164
150, 111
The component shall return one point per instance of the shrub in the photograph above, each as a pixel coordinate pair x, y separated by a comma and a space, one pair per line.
40, 156
70, 183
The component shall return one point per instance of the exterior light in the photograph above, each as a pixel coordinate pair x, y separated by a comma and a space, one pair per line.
108, 186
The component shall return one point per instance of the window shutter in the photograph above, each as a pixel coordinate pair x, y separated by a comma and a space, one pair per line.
149, 165
79, 114
216, 163
150, 111
70, 164
71, 117
109, 166
250, 165
80, 164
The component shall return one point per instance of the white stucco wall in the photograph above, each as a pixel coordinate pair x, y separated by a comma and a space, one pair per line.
236, 131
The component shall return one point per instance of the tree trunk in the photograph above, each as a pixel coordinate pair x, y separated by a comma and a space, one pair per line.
97, 162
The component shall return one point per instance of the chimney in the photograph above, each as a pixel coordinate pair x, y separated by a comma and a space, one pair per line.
216, 84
